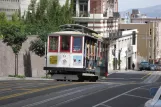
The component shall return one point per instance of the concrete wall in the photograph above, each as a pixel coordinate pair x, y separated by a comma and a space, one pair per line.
30, 64
124, 44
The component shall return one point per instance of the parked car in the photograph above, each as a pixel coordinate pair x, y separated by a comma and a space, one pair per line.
152, 67
144, 66
156, 100
158, 67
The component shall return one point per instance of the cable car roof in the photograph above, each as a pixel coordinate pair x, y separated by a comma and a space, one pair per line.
77, 30
77, 27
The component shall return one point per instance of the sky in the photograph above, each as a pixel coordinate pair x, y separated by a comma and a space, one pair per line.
132, 4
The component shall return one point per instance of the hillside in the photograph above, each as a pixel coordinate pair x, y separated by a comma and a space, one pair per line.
153, 11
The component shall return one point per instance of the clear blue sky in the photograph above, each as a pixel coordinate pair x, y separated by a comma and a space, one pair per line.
130, 4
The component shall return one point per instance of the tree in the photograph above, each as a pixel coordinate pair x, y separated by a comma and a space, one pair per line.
14, 36
49, 16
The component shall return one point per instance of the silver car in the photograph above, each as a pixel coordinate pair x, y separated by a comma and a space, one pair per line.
156, 100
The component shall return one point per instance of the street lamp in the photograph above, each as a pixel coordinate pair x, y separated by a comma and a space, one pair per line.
126, 59
120, 50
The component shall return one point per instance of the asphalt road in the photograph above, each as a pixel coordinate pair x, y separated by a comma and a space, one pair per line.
135, 77
103, 93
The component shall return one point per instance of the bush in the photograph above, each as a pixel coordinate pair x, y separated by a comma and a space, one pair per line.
17, 76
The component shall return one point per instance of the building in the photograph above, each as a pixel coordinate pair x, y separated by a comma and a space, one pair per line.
136, 14
157, 30
146, 40
9, 7
95, 13
124, 50
12, 6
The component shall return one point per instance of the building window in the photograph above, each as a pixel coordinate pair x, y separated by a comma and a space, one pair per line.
150, 43
83, 7
65, 44
150, 31
53, 44
77, 44
133, 39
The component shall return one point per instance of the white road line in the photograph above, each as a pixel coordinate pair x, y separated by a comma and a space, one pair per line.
136, 96
60, 96
118, 96
76, 98
144, 89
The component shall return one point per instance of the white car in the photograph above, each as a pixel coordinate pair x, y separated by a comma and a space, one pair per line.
156, 100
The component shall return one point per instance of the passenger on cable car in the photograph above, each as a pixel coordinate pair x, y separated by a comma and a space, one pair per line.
91, 63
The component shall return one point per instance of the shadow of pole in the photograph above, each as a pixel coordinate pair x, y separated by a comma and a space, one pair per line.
27, 64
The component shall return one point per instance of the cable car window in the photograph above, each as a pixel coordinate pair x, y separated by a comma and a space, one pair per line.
53, 44
65, 44
77, 44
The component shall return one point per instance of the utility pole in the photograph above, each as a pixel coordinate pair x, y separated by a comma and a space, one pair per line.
94, 10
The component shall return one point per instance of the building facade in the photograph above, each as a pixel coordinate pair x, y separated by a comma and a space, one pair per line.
157, 31
95, 14
146, 49
12, 6
9, 7
124, 50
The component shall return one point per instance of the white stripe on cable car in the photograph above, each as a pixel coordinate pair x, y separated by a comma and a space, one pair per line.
87, 74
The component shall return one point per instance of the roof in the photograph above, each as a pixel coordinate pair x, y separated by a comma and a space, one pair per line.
76, 26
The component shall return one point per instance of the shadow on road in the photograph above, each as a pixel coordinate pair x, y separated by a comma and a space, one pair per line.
27, 64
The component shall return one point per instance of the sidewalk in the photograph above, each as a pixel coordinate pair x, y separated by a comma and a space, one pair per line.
26, 78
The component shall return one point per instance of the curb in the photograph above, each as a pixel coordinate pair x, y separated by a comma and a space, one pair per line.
12, 78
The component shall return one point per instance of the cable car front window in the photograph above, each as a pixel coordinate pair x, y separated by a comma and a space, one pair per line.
65, 44
53, 44
77, 44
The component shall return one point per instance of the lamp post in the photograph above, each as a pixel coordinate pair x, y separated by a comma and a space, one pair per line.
119, 58
126, 59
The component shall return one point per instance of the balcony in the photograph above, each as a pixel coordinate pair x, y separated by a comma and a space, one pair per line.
83, 14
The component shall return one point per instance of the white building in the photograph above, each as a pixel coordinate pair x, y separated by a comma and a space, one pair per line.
127, 48
12, 6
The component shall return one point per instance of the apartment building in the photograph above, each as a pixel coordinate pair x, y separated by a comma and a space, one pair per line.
9, 7
12, 6
95, 14
146, 40
157, 31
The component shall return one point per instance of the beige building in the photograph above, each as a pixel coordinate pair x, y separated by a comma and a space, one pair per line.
146, 40
157, 30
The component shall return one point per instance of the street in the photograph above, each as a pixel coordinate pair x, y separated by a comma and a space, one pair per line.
118, 90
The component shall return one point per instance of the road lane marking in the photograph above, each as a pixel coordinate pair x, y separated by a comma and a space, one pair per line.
145, 89
34, 90
76, 98
118, 96
23, 89
146, 75
5, 89
136, 96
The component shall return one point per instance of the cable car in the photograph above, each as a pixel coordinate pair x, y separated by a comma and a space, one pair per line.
75, 53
